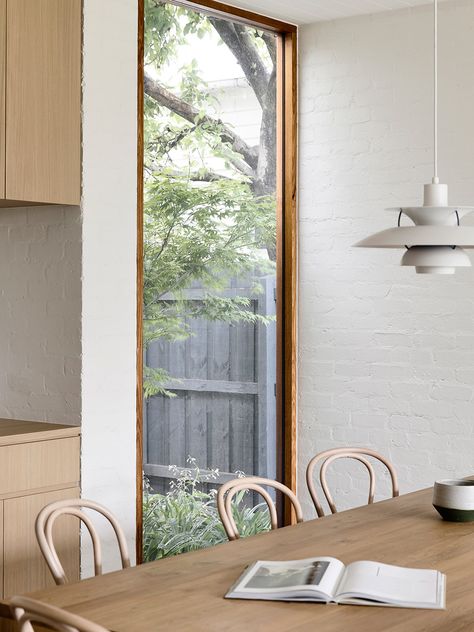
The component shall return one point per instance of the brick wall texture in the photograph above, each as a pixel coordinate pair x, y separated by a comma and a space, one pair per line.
40, 314
386, 357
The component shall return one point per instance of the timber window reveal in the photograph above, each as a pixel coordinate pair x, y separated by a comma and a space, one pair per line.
219, 382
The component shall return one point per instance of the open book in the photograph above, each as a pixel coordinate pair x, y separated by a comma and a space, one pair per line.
326, 579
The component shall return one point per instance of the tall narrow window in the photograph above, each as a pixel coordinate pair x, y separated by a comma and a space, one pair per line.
211, 270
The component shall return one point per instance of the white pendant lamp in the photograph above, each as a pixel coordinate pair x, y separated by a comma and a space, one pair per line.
436, 242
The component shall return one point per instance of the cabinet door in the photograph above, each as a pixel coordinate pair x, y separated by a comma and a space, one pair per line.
39, 464
24, 567
1, 549
43, 101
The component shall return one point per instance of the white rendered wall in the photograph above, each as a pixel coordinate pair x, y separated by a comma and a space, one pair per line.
109, 255
40, 314
386, 357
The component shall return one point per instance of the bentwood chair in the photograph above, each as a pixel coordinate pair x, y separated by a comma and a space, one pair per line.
228, 490
28, 611
75, 507
359, 454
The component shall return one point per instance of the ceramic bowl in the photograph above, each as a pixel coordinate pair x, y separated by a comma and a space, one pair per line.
454, 500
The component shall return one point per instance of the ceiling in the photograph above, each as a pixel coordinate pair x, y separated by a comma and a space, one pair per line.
307, 11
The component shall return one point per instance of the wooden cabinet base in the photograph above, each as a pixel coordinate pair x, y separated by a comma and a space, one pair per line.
24, 567
39, 464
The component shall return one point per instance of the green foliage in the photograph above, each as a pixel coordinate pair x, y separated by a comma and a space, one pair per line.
200, 233
206, 232
166, 28
153, 380
186, 518
167, 135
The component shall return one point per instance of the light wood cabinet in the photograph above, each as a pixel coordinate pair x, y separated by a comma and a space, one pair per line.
1, 548
40, 102
39, 464
24, 567
36, 465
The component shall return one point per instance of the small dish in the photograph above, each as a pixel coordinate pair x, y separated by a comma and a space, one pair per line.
454, 499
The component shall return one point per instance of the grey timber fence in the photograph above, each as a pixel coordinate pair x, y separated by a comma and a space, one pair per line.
224, 376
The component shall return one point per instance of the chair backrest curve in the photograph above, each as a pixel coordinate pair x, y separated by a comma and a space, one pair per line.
75, 507
228, 490
27, 611
359, 454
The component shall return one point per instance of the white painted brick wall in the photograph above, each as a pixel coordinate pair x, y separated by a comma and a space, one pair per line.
386, 358
40, 314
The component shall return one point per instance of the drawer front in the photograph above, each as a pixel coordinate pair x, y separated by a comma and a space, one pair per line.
29, 466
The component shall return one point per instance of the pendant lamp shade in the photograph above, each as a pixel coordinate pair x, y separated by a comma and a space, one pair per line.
411, 236
436, 259
435, 241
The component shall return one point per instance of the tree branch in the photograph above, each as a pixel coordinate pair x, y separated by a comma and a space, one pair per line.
195, 176
155, 90
207, 176
270, 41
238, 40
265, 180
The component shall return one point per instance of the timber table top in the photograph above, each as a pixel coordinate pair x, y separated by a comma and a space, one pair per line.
185, 593
14, 431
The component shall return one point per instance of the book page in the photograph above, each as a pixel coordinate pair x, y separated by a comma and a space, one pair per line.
318, 575
390, 584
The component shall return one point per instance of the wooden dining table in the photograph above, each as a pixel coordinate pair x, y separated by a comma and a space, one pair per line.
186, 593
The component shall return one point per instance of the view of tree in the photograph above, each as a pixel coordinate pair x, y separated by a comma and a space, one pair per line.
209, 195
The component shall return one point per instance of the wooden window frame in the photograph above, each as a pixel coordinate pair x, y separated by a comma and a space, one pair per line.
286, 242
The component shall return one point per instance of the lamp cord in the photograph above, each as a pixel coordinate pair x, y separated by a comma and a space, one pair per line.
435, 93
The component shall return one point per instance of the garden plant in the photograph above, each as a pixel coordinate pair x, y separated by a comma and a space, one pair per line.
186, 518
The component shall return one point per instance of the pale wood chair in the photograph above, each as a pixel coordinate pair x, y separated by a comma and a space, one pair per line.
28, 611
359, 454
228, 490
75, 507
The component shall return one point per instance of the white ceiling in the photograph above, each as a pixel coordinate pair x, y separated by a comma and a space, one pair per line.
307, 11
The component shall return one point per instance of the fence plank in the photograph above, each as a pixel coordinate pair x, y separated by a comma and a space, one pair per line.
219, 431
242, 352
213, 386
157, 355
242, 414
156, 412
196, 427
196, 409
176, 422
196, 349
176, 411
218, 405
242, 409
